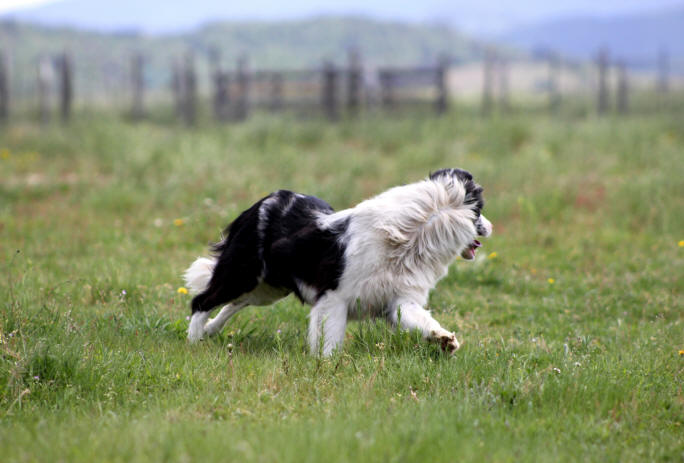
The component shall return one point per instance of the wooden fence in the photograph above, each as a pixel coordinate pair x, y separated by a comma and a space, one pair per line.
328, 91
608, 71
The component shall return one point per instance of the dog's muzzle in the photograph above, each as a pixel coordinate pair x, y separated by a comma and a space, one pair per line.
483, 228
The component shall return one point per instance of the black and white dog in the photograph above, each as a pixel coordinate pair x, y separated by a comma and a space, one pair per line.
380, 258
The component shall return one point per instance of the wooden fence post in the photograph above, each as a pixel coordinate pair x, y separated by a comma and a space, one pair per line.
176, 88
622, 88
221, 96
4, 88
504, 102
387, 88
44, 77
602, 97
276, 97
137, 86
354, 82
66, 93
242, 97
553, 87
189, 90
442, 100
328, 97
221, 82
214, 55
663, 71
488, 80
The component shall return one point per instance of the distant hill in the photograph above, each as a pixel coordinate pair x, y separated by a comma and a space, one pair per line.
104, 57
173, 16
307, 42
636, 38
165, 16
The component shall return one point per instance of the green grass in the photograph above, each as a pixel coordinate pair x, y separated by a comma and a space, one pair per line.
94, 363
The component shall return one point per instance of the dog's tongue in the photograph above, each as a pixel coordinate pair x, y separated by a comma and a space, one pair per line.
469, 252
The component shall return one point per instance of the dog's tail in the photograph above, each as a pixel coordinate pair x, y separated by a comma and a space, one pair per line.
198, 275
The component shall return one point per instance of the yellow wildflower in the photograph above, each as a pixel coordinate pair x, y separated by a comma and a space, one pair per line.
681, 351
681, 244
179, 222
493, 255
551, 281
182, 290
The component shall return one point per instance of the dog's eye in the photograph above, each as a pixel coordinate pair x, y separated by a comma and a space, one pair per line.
479, 228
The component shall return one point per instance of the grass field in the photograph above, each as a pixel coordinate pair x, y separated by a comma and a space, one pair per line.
572, 315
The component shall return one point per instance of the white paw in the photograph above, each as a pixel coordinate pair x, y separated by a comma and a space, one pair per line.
196, 329
194, 335
447, 341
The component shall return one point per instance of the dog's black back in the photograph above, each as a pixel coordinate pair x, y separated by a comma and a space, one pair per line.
277, 241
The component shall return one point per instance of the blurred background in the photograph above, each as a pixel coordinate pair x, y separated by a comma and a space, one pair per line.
210, 59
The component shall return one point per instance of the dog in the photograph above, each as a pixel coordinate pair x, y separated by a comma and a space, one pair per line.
378, 259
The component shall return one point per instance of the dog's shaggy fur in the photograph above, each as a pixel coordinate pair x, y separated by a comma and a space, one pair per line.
380, 258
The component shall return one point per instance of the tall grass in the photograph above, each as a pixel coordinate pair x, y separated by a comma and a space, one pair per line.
571, 315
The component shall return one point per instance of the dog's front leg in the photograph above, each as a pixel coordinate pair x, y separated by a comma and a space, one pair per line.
411, 316
328, 318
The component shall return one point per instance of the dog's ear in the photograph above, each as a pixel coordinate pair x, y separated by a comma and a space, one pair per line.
463, 175
474, 197
440, 173
473, 190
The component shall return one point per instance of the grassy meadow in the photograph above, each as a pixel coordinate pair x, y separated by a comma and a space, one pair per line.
572, 315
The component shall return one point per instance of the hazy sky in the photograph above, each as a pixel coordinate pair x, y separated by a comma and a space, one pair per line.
165, 15
9, 5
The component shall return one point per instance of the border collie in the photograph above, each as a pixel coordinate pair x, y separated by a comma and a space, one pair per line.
379, 259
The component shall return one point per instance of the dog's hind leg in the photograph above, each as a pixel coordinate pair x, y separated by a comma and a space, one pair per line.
263, 294
411, 316
214, 325
234, 272
227, 286
204, 302
196, 328
328, 318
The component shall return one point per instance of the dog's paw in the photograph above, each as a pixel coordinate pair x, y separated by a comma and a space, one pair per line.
448, 342
196, 329
194, 336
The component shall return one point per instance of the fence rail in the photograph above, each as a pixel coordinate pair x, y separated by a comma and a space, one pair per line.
331, 91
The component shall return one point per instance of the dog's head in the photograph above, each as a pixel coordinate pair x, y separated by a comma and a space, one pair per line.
474, 199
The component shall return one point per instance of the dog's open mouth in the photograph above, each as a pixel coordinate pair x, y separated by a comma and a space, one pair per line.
469, 252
